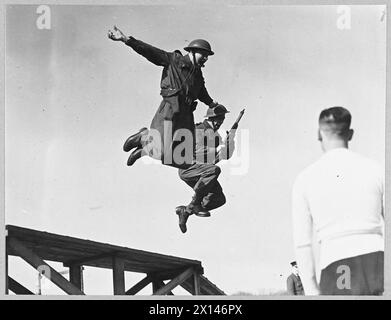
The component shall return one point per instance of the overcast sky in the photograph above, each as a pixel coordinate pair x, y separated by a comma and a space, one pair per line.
73, 96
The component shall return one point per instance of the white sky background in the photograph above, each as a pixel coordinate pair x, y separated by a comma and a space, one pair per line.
73, 96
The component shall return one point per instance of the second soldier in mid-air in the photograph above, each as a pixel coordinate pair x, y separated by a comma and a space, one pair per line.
202, 175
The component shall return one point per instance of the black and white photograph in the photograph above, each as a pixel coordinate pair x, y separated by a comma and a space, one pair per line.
189, 148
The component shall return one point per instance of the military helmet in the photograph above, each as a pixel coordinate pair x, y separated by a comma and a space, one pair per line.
216, 111
200, 44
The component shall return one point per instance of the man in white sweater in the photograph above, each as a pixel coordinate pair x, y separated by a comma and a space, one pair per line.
340, 200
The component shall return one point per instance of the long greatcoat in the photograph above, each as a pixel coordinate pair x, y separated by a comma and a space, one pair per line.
181, 85
294, 285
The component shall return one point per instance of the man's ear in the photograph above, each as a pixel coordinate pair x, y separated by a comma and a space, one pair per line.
319, 135
350, 134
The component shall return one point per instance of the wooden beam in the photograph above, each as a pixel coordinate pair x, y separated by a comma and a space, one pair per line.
76, 276
188, 285
64, 241
6, 271
172, 273
207, 291
31, 258
139, 286
175, 282
209, 287
206, 287
86, 260
157, 284
17, 288
118, 276
197, 289
162, 284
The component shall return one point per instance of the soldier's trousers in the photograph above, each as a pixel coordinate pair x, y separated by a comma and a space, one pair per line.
202, 177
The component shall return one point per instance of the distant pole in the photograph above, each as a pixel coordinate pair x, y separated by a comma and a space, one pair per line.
40, 273
39, 283
81, 280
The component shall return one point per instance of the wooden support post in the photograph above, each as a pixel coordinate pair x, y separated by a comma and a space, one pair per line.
197, 289
188, 285
17, 288
35, 261
118, 276
175, 282
6, 272
139, 286
76, 276
155, 285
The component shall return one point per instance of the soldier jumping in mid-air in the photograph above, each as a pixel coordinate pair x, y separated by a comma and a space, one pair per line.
181, 85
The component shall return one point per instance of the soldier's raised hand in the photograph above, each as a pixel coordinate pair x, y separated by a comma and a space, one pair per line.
116, 34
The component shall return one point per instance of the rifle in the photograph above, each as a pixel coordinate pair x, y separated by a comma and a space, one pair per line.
231, 133
235, 125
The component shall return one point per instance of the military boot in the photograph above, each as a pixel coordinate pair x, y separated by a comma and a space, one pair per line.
183, 216
134, 156
195, 207
134, 141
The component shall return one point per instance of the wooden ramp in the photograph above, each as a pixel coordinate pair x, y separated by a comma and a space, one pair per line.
163, 272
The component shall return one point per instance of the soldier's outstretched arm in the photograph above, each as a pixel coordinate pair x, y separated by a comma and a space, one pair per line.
155, 55
204, 96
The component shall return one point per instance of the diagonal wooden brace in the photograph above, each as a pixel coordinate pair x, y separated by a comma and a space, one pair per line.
175, 282
31, 258
157, 284
17, 288
139, 286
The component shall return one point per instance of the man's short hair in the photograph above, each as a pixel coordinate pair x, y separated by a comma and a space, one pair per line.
335, 120
293, 263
